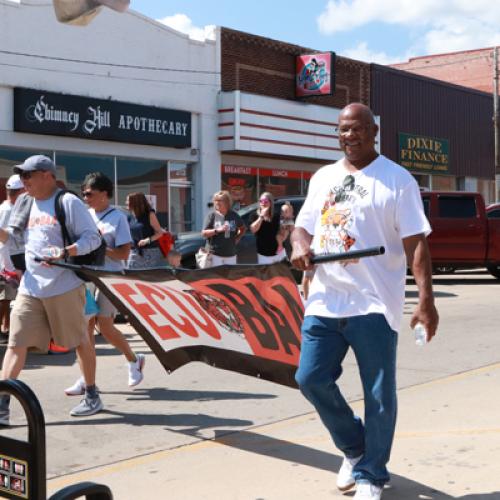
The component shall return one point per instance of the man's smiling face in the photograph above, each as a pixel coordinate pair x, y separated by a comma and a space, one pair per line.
357, 133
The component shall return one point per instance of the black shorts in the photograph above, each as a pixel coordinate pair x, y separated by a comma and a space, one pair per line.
19, 261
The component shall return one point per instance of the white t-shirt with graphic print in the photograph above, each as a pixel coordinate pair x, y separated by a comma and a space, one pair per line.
113, 226
377, 206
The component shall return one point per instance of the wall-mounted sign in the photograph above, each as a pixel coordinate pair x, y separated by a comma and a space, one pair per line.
421, 153
40, 112
315, 74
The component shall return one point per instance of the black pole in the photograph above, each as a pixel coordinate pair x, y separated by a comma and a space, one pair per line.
36, 435
354, 254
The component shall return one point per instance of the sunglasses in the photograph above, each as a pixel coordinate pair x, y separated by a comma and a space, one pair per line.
265, 201
27, 175
87, 194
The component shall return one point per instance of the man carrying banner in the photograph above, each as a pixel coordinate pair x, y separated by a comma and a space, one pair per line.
50, 301
363, 200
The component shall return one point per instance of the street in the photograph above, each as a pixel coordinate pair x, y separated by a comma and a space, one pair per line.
204, 433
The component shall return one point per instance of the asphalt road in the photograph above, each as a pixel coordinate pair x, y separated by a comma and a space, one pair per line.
169, 413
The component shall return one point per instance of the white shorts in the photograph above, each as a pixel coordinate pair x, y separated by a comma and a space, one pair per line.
270, 259
220, 261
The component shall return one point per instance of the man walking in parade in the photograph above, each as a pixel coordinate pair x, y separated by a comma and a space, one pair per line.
50, 301
362, 201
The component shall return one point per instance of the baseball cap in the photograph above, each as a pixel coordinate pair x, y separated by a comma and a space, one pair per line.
36, 162
14, 182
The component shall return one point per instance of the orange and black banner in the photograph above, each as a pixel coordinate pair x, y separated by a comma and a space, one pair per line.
241, 318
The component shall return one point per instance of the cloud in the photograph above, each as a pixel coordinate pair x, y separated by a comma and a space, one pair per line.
184, 24
362, 53
444, 26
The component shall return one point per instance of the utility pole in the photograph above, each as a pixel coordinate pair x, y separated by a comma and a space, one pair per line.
495, 123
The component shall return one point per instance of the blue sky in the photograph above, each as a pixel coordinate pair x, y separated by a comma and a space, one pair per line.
382, 31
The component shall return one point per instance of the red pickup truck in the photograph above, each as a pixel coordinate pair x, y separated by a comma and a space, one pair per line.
465, 234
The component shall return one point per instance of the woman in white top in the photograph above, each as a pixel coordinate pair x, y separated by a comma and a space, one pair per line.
97, 191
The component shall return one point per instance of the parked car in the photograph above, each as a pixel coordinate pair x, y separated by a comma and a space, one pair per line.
465, 235
493, 211
188, 243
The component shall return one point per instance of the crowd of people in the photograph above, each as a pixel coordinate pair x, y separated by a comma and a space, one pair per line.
223, 228
51, 304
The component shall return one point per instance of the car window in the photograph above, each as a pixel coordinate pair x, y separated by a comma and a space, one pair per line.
457, 207
493, 214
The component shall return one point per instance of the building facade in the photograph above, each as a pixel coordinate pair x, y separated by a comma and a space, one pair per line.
440, 132
270, 139
469, 68
125, 95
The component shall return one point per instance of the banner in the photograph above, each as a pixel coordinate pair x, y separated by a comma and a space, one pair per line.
241, 318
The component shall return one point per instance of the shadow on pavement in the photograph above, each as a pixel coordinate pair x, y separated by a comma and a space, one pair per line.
400, 487
185, 423
165, 394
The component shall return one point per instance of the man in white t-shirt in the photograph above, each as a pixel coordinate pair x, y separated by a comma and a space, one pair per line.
364, 200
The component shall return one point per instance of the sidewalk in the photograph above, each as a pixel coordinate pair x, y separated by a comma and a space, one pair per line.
447, 446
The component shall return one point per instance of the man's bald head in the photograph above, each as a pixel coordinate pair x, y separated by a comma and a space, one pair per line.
358, 111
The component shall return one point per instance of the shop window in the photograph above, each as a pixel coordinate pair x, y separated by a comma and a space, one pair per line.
424, 181
241, 182
150, 177
279, 182
72, 168
443, 183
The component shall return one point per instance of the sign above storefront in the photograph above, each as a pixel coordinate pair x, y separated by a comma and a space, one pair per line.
40, 112
421, 153
315, 74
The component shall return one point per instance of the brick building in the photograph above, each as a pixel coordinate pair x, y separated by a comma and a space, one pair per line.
469, 68
271, 140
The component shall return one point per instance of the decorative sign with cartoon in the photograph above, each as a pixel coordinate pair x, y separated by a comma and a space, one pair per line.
315, 74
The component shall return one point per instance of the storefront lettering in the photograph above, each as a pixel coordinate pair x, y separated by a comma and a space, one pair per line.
151, 125
98, 119
280, 173
425, 153
43, 112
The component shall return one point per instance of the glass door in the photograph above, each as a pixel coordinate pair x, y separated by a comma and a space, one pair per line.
181, 198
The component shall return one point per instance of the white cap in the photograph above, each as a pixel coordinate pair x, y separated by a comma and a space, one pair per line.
14, 182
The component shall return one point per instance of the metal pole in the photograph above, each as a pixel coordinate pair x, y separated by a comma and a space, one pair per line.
495, 123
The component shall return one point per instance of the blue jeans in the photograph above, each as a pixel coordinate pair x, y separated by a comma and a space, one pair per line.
325, 342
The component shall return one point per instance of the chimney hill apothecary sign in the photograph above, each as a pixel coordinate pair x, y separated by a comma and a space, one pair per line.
421, 153
40, 112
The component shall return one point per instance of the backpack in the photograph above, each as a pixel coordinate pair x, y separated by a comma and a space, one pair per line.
94, 258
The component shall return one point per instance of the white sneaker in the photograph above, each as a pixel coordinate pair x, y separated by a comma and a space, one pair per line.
368, 491
345, 479
135, 368
77, 389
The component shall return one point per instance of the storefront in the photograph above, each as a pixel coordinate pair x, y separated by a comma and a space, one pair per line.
94, 100
273, 137
441, 133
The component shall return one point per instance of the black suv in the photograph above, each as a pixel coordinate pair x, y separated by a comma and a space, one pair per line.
188, 243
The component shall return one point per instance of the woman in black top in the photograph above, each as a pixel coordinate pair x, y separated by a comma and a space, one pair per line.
223, 229
265, 224
145, 230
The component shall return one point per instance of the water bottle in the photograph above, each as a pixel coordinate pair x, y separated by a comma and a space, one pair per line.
52, 252
420, 334
227, 230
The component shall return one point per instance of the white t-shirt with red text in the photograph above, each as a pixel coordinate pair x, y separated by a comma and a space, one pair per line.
376, 206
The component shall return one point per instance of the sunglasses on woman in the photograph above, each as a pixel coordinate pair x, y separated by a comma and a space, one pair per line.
264, 201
